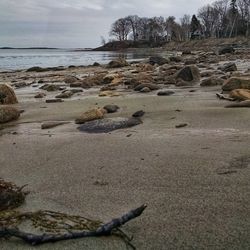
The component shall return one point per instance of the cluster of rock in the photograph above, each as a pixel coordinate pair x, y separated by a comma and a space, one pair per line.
190, 69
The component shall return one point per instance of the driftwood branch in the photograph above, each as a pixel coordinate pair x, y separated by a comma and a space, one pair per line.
103, 230
223, 97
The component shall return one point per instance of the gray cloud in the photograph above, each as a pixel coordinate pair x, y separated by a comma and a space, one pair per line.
76, 23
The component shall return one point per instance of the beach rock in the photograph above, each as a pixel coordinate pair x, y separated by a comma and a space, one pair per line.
158, 60
165, 93
207, 73
7, 94
226, 50
108, 93
145, 90
54, 100
109, 78
74, 91
40, 95
211, 81
118, 63
240, 94
78, 84
175, 59
107, 88
236, 83
228, 67
36, 69
111, 108
188, 75
131, 82
8, 114
116, 81
139, 113
145, 67
94, 80
96, 64
50, 87
90, 115
19, 85
65, 94
190, 61
71, 79
151, 86
109, 124
186, 52
144, 77
52, 124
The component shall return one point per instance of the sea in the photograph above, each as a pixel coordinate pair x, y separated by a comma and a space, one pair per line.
18, 59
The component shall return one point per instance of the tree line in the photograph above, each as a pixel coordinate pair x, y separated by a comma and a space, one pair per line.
221, 19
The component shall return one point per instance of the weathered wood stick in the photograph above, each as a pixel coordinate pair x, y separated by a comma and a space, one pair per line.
223, 97
244, 104
103, 230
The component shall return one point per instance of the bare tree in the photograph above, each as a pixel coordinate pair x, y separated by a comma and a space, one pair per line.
120, 29
185, 25
208, 16
221, 24
134, 22
103, 41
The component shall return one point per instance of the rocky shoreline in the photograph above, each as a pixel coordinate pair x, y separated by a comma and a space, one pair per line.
165, 131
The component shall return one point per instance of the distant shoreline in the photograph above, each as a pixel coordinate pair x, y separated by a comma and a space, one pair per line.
47, 48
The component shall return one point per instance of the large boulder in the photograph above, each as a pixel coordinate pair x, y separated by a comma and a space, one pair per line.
188, 75
7, 94
236, 83
158, 60
240, 94
8, 114
90, 115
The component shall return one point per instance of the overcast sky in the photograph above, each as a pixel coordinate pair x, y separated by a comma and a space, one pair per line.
77, 23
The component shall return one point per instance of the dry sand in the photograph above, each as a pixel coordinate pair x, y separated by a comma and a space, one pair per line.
197, 198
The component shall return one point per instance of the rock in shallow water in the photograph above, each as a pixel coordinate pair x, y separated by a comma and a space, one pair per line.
109, 124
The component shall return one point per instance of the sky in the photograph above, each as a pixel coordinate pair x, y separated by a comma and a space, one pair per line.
77, 23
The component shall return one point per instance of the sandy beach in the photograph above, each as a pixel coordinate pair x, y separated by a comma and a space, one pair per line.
194, 179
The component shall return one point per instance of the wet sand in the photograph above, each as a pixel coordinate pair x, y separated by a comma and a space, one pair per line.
197, 199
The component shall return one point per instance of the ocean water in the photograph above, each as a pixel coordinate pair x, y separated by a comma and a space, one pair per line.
13, 59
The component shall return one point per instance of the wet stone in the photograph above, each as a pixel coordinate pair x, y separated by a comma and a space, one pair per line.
109, 124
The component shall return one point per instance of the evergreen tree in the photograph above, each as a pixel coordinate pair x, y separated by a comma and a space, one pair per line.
195, 27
